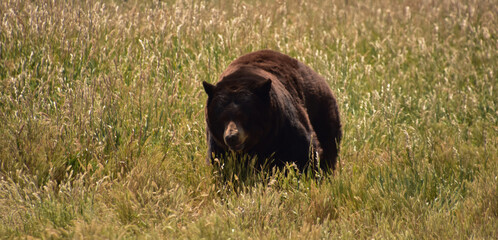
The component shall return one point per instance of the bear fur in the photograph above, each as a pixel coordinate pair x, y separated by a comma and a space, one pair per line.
269, 105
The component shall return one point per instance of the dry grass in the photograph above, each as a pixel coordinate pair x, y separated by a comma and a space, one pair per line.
102, 126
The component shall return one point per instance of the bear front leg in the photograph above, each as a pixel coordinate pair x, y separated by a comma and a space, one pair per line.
214, 151
299, 149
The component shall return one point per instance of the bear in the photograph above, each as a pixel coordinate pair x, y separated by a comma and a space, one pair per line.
269, 105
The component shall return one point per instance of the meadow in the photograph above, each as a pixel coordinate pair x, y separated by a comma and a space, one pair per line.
102, 132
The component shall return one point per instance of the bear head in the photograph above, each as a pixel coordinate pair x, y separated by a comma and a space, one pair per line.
238, 111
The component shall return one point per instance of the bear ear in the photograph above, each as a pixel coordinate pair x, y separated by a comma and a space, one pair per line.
263, 89
208, 88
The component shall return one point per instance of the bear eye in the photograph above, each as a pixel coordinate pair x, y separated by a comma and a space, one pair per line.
220, 100
218, 105
242, 98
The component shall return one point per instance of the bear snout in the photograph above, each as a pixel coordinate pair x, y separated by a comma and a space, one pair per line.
234, 136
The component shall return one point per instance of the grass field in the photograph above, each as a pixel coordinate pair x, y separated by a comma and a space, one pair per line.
102, 132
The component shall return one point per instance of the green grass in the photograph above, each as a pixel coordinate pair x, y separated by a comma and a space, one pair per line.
102, 132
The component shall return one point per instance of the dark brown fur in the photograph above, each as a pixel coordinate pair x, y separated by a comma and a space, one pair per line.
298, 111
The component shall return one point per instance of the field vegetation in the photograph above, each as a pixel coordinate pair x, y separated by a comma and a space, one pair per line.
102, 132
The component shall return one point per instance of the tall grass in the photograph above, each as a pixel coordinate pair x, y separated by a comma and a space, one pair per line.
102, 130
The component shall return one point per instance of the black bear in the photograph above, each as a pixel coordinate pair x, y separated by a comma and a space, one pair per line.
269, 105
